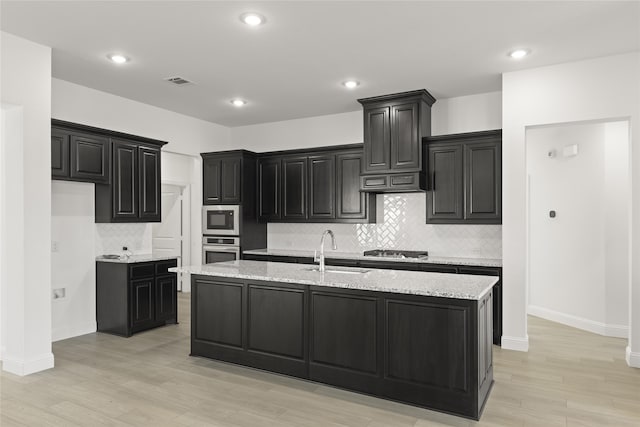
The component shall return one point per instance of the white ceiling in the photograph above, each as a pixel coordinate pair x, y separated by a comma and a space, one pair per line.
292, 66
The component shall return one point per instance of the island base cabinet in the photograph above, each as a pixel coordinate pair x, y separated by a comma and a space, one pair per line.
426, 351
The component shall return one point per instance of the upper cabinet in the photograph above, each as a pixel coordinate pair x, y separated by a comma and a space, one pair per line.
134, 193
320, 185
394, 126
229, 178
465, 179
79, 156
125, 169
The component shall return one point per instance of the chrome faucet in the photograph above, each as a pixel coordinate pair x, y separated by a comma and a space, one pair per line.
320, 258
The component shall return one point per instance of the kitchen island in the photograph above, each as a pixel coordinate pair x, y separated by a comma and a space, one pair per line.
414, 337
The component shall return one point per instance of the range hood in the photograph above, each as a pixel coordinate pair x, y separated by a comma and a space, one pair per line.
394, 126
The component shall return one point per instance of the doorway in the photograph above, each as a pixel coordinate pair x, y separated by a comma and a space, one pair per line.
170, 237
578, 215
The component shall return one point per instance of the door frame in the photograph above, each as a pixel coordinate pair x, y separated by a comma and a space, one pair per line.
185, 200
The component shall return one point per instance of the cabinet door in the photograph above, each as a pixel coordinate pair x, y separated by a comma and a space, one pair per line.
322, 187
125, 180
89, 158
230, 180
166, 298
59, 153
269, 189
445, 198
343, 332
351, 203
405, 142
377, 139
294, 188
483, 175
211, 181
142, 304
149, 181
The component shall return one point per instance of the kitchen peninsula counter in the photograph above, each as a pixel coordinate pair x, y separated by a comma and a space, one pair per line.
414, 337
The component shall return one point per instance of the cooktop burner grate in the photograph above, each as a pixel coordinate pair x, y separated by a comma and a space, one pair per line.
396, 253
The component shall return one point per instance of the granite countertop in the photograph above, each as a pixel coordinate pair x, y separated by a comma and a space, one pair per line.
135, 258
477, 262
459, 286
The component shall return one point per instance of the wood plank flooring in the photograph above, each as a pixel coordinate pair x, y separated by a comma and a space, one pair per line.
568, 378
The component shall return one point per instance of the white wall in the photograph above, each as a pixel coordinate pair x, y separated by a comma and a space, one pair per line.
467, 113
26, 280
568, 254
453, 115
597, 89
73, 263
186, 135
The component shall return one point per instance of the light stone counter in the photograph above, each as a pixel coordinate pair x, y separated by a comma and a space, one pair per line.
459, 286
134, 258
476, 262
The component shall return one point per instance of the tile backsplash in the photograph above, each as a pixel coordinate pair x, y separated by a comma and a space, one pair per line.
400, 225
110, 238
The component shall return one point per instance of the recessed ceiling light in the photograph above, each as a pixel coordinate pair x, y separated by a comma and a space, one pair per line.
519, 53
252, 19
351, 84
118, 58
238, 102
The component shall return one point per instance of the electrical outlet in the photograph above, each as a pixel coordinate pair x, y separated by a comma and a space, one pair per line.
59, 293
55, 246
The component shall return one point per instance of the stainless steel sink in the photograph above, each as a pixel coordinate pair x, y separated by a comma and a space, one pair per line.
337, 270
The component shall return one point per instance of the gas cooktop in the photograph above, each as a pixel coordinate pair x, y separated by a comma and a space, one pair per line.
395, 253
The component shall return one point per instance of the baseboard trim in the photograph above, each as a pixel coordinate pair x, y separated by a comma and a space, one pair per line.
59, 334
27, 367
600, 328
632, 358
515, 343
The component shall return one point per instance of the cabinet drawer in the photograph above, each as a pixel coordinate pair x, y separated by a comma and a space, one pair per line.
163, 266
374, 182
430, 268
141, 270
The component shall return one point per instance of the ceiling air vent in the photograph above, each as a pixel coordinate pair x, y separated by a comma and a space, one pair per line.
178, 80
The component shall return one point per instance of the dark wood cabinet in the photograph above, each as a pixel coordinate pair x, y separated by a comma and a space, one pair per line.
294, 188
465, 178
211, 181
496, 310
89, 158
445, 199
132, 297
78, 156
59, 153
318, 185
228, 178
427, 351
351, 203
322, 186
149, 184
269, 198
125, 169
483, 181
125, 181
394, 126
135, 192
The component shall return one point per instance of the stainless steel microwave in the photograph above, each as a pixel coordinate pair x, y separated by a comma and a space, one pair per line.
221, 220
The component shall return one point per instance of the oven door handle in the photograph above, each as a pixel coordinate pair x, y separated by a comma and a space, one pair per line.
229, 249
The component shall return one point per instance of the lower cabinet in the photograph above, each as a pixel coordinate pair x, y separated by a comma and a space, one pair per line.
427, 351
426, 267
132, 297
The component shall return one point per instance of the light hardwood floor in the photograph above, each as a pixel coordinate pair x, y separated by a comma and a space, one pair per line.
568, 378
